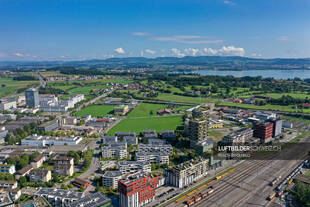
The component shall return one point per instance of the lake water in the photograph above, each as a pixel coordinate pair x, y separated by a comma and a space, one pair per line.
277, 74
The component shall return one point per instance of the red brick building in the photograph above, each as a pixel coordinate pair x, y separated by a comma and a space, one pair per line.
137, 189
264, 131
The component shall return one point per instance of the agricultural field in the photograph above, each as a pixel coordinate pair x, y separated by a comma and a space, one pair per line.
265, 107
96, 111
8, 86
184, 99
139, 124
294, 95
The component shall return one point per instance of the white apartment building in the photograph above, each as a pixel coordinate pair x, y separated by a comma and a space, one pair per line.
153, 157
127, 167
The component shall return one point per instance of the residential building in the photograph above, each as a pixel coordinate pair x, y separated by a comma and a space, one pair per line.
6, 200
40, 175
121, 110
198, 129
64, 165
203, 146
8, 184
3, 132
80, 183
126, 167
110, 179
264, 131
49, 126
168, 134
69, 121
97, 199
24, 171
125, 134
38, 161
186, 173
150, 134
39, 140
32, 98
7, 105
153, 157
7, 168
130, 140
14, 193
166, 148
164, 111
108, 139
58, 197
155, 141
137, 190
239, 136
116, 150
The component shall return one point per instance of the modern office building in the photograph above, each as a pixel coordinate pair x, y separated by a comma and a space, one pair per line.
137, 190
186, 173
32, 98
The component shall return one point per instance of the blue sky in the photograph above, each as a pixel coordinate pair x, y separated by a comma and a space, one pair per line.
87, 29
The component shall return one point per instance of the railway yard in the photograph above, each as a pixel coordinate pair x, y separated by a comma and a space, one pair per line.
246, 184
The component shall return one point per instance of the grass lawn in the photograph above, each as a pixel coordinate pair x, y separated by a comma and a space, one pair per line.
145, 109
96, 111
85, 89
139, 124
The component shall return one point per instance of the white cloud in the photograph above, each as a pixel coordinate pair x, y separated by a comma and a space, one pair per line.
17, 54
232, 50
177, 52
224, 51
191, 51
210, 51
119, 50
229, 2
283, 38
140, 34
150, 51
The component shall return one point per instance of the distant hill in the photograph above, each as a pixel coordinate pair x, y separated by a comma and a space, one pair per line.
188, 62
